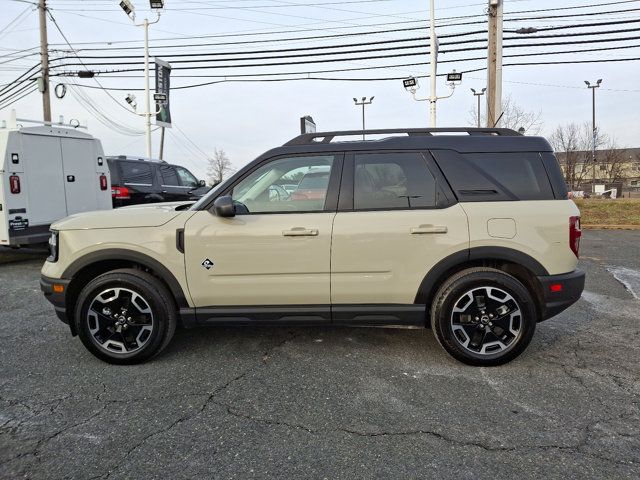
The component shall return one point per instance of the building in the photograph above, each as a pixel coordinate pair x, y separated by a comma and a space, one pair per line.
615, 168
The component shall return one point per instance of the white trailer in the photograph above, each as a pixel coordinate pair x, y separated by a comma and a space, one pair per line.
47, 173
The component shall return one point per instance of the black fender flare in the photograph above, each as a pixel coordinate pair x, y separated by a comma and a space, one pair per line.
116, 254
430, 283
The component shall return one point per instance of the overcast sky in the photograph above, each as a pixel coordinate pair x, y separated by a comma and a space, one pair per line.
246, 119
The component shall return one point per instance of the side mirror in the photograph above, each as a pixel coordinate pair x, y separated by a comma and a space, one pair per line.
201, 183
223, 206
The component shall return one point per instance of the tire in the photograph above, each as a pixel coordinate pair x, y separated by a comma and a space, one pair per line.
483, 317
143, 325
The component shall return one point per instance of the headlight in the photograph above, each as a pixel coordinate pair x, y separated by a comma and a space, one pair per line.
53, 247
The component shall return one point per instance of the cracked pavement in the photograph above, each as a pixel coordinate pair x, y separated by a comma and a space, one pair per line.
327, 402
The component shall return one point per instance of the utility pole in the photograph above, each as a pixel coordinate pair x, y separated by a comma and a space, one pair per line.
478, 95
44, 61
494, 64
594, 131
363, 102
433, 62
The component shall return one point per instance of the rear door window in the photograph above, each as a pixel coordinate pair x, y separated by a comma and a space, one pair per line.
392, 180
136, 173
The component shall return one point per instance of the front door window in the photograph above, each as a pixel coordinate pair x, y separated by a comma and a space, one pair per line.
306, 180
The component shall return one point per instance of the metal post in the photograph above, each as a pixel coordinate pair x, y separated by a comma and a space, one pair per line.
161, 154
44, 59
594, 131
478, 94
363, 102
433, 53
593, 143
147, 99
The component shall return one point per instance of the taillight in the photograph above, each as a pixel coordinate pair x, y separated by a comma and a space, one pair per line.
121, 193
103, 182
574, 234
14, 183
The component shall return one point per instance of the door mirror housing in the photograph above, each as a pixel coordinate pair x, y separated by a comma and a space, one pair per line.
202, 183
223, 206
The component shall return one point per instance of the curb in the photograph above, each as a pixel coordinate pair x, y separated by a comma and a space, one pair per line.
610, 227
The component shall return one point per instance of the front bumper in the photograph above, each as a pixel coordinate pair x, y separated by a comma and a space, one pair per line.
560, 291
57, 299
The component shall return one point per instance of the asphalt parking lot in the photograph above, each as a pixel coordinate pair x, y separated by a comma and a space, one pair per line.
328, 402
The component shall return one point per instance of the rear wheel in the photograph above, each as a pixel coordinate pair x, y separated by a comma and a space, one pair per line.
483, 316
125, 316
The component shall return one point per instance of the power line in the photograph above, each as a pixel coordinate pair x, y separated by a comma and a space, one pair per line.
347, 59
34, 89
172, 57
309, 77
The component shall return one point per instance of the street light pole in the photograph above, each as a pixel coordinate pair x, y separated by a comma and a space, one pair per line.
363, 102
129, 9
147, 99
433, 53
594, 131
478, 95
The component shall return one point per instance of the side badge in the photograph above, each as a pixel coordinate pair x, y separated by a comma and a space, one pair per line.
207, 264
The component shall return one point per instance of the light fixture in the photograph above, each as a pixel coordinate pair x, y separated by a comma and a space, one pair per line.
157, 4
410, 83
131, 100
128, 8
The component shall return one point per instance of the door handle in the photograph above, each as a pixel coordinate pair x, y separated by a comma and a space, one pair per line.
425, 229
301, 232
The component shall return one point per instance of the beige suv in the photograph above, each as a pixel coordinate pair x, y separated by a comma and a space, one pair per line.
469, 233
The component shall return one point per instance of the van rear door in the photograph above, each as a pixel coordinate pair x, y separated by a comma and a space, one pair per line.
42, 181
81, 181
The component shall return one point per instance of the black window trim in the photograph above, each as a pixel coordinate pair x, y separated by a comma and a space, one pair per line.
333, 189
346, 198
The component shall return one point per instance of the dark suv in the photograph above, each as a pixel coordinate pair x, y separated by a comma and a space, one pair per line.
139, 180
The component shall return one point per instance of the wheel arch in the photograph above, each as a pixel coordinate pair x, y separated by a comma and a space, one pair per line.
518, 264
89, 266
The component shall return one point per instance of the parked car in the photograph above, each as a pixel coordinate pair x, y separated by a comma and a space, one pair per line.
313, 185
137, 180
48, 173
471, 234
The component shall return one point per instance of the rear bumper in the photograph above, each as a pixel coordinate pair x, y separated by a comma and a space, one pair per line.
569, 291
57, 299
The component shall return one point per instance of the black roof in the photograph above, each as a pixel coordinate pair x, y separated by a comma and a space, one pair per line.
464, 140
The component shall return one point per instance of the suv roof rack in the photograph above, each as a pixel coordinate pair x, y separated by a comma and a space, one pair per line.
132, 158
327, 137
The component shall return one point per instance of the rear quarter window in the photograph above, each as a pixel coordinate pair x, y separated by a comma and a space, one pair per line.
136, 173
485, 177
522, 174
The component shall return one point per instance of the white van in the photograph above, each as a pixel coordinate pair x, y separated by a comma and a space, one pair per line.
47, 173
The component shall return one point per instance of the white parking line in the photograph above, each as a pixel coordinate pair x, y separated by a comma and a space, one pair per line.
629, 278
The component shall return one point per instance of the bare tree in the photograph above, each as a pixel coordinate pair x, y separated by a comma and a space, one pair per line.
569, 143
574, 143
613, 161
219, 167
513, 116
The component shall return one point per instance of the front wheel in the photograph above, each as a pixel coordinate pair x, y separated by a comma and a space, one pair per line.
483, 316
125, 316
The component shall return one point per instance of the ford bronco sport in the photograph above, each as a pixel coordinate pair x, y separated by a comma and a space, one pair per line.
469, 233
